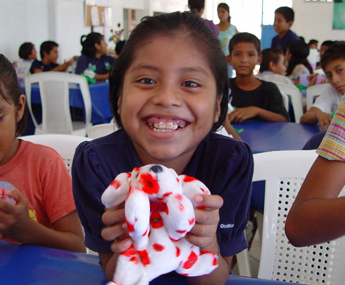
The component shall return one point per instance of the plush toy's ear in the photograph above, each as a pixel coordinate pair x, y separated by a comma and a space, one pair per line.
192, 186
117, 191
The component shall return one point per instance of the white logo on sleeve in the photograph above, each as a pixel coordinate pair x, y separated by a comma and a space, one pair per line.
226, 226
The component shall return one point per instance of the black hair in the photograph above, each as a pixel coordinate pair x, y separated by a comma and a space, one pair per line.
327, 43
268, 55
313, 42
244, 38
286, 12
172, 24
9, 82
119, 47
225, 7
299, 51
47, 47
196, 5
334, 52
88, 42
25, 50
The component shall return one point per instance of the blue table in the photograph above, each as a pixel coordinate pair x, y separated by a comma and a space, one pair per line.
35, 265
99, 92
271, 136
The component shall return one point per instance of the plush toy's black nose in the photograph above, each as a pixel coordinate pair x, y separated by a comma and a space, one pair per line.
156, 168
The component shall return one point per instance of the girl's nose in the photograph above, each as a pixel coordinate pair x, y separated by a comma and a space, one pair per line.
167, 95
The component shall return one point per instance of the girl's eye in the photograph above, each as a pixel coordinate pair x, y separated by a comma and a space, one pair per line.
190, 84
340, 70
147, 81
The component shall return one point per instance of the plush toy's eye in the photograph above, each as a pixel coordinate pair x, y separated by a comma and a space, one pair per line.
149, 183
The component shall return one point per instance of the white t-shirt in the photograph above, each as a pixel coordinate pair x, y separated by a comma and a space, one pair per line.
328, 101
274, 77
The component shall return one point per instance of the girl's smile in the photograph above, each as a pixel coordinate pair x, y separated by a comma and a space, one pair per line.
168, 102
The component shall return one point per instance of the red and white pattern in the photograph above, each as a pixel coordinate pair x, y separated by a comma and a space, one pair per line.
159, 211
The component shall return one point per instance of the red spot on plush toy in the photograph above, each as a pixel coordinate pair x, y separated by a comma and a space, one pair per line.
116, 184
158, 247
192, 259
189, 179
149, 184
144, 257
156, 220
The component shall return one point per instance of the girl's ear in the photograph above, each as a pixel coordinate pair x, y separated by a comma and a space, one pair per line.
271, 66
20, 107
119, 101
217, 112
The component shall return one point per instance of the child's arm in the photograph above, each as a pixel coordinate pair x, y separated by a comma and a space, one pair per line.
314, 116
102, 76
317, 215
64, 66
16, 224
231, 130
203, 234
241, 114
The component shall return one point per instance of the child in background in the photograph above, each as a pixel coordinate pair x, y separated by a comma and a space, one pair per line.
94, 61
27, 51
333, 64
226, 30
324, 46
296, 56
49, 52
283, 20
272, 67
252, 97
119, 47
44, 213
317, 214
312, 44
169, 93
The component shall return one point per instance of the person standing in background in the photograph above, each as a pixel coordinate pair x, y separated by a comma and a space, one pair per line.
198, 6
226, 30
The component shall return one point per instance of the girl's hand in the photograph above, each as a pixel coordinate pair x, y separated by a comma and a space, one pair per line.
116, 228
14, 219
203, 234
241, 114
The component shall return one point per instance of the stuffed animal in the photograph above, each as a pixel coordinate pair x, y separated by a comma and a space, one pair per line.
159, 211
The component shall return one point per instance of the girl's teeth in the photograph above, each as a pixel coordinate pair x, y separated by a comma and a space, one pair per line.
168, 127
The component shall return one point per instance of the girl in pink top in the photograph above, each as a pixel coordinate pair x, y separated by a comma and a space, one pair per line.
42, 211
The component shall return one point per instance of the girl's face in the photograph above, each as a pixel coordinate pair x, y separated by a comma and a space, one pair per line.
102, 48
278, 67
53, 55
223, 14
168, 102
9, 116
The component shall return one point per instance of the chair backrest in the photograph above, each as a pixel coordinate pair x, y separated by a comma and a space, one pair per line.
101, 130
54, 92
295, 96
283, 173
313, 92
23, 69
65, 145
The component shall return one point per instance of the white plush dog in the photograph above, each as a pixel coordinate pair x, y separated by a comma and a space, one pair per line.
159, 211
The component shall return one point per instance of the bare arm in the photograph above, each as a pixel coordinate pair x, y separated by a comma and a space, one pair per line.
314, 116
231, 130
15, 223
241, 114
317, 215
102, 76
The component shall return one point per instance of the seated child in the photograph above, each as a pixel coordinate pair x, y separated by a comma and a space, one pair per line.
283, 20
333, 64
272, 67
94, 62
296, 56
44, 212
49, 53
324, 46
317, 214
118, 48
169, 93
252, 97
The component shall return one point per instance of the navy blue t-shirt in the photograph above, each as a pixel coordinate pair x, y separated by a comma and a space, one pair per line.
223, 164
36, 64
283, 42
102, 64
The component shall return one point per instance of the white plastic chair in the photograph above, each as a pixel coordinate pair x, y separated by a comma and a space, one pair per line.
313, 92
23, 68
54, 92
295, 97
284, 172
101, 130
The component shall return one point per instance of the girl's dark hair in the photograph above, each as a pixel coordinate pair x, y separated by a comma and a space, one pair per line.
268, 55
88, 42
193, 27
9, 82
25, 50
245, 38
299, 52
196, 5
47, 46
334, 52
225, 7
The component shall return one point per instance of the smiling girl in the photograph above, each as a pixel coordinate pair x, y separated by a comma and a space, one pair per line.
169, 92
